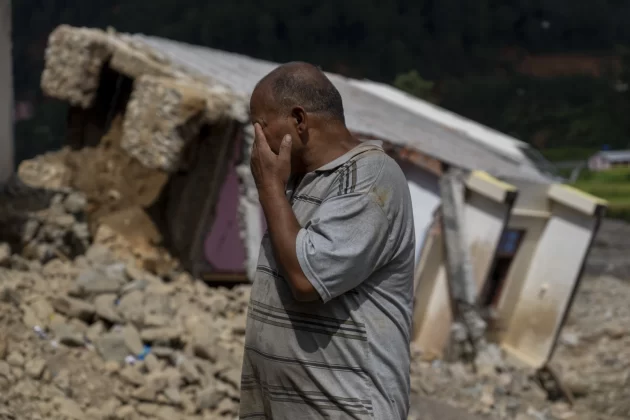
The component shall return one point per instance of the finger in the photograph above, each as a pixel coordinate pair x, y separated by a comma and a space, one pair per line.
259, 139
285, 149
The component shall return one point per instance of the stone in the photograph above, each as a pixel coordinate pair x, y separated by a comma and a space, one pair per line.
188, 370
35, 368
109, 407
67, 408
133, 340
160, 335
227, 406
205, 342
167, 413
5, 369
132, 376
131, 307
5, 254
95, 331
156, 320
75, 203
96, 281
125, 412
172, 395
15, 359
209, 398
43, 310
152, 363
112, 347
74, 308
105, 306
68, 335
4, 347
155, 383
163, 352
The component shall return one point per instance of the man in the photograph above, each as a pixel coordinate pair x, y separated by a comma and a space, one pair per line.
329, 318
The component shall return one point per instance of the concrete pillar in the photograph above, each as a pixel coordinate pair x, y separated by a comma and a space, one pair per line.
6, 92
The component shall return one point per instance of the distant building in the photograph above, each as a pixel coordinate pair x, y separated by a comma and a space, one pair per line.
609, 159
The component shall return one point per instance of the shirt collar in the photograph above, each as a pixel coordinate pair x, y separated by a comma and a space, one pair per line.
364, 146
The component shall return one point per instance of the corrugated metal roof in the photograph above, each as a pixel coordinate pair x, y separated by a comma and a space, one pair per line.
500, 142
366, 113
615, 155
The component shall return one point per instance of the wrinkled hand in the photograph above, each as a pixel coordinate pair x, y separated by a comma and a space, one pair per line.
270, 170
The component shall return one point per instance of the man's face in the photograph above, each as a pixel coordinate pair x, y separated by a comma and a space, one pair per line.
274, 125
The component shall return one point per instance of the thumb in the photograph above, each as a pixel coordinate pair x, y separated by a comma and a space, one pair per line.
285, 149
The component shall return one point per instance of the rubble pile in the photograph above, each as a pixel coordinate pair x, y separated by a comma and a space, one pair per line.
114, 206
96, 338
609, 254
89, 334
592, 361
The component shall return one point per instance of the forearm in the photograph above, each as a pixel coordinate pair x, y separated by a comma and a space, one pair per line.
283, 229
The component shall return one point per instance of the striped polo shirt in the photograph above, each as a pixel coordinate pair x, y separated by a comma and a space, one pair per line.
346, 355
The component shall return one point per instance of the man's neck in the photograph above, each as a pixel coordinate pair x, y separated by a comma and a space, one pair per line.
327, 146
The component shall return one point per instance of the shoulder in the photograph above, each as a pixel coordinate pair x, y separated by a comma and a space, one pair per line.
369, 170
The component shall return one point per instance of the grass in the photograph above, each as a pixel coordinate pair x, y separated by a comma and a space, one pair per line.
612, 185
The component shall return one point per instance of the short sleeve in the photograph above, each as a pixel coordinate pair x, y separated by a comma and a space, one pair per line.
343, 244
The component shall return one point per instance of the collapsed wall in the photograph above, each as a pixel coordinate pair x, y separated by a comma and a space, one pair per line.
135, 123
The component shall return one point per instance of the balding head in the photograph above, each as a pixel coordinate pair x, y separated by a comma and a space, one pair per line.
300, 84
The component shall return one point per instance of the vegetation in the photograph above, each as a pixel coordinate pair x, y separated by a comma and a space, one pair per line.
448, 51
612, 185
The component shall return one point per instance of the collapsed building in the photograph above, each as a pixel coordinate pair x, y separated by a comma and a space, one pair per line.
158, 138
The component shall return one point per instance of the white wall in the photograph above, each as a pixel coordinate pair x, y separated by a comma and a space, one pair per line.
484, 221
6, 92
548, 285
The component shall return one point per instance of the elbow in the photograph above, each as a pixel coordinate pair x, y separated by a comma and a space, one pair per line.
303, 290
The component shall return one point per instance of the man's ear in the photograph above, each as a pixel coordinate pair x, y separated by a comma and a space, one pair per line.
300, 118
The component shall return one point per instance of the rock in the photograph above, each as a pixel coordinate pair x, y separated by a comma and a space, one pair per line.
131, 307
75, 203
105, 307
160, 335
126, 412
133, 340
95, 331
172, 395
227, 406
167, 413
188, 370
152, 363
570, 339
112, 347
205, 342
163, 352
74, 308
209, 398
35, 368
5, 254
155, 383
68, 335
4, 347
132, 376
96, 281
15, 359
5, 369
43, 310
156, 320
68, 408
